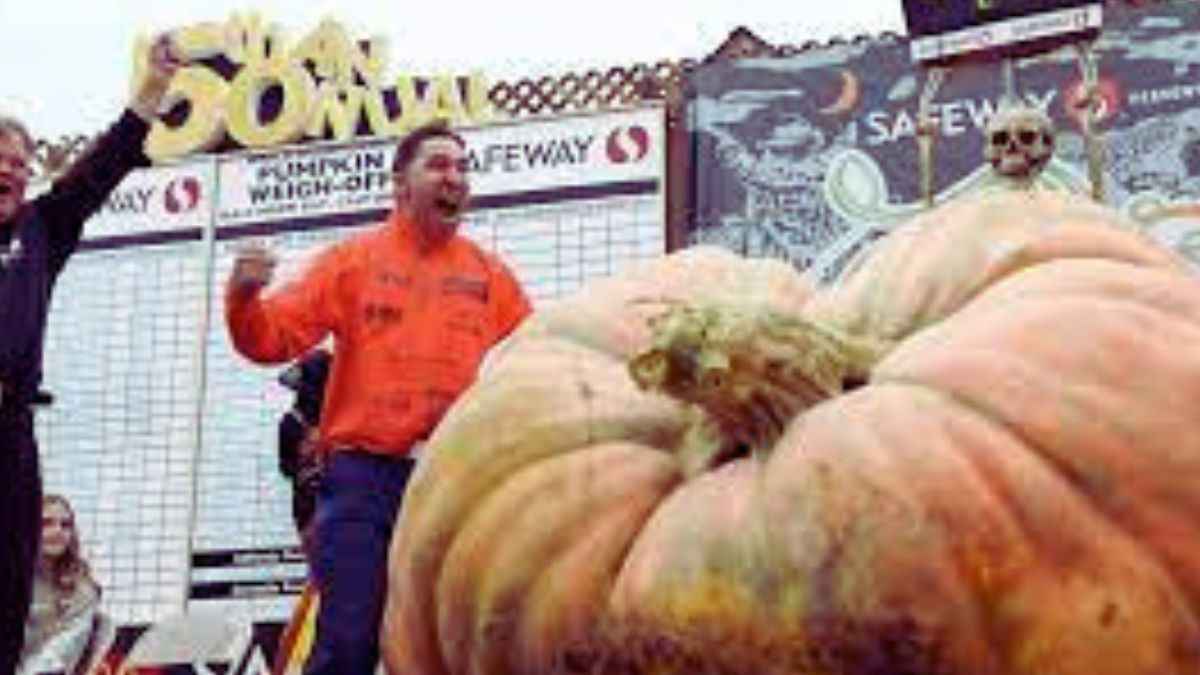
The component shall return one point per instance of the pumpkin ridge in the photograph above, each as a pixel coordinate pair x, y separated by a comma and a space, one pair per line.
563, 566
469, 470
935, 521
968, 571
474, 457
832, 646
654, 431
619, 476
1079, 295
1038, 543
1142, 304
941, 259
1150, 558
1047, 250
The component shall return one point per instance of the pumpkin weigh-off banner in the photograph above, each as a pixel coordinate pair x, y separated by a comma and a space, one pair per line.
812, 157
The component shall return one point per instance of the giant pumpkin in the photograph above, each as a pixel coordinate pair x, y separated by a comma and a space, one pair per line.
980, 453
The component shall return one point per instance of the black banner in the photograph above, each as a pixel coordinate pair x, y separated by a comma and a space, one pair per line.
246, 590
934, 17
248, 557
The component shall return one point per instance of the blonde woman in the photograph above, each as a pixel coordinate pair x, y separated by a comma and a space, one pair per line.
60, 630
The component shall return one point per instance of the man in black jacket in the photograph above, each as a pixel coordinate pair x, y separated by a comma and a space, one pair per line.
36, 238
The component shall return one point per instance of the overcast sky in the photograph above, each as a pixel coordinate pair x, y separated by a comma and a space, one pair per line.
65, 64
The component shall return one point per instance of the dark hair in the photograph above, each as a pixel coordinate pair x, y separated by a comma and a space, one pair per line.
406, 151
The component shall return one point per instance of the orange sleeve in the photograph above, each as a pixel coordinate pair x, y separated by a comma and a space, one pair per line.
511, 304
288, 322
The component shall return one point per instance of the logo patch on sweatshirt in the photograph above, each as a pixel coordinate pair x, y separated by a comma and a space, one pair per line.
475, 288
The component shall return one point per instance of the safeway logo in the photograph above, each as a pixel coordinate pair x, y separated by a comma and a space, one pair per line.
628, 144
182, 195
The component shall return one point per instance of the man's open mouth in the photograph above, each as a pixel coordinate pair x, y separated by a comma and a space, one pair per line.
448, 207
6, 189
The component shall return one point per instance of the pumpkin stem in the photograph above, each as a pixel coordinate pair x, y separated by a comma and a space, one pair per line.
749, 370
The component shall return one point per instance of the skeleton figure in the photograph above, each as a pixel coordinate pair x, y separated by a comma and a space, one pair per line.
1019, 141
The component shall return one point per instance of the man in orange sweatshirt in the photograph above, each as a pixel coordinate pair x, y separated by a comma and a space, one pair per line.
412, 307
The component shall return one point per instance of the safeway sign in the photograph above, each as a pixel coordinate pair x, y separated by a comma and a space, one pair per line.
510, 158
160, 203
526, 156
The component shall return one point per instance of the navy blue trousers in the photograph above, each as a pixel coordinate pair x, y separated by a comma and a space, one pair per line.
20, 529
357, 504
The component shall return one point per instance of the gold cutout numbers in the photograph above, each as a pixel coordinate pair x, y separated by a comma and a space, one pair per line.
245, 100
330, 84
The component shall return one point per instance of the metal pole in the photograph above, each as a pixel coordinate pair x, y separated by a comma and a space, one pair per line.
926, 130
1089, 107
200, 368
1010, 80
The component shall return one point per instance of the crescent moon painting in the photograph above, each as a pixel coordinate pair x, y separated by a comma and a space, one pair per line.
847, 100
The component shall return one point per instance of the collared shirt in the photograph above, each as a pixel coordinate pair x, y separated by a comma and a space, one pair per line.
410, 329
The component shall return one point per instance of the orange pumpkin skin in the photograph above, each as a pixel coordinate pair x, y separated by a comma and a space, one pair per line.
1016, 489
553, 434
933, 264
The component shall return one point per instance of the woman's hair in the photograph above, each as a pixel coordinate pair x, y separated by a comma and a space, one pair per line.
68, 569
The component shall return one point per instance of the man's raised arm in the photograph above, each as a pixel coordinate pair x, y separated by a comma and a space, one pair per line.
79, 192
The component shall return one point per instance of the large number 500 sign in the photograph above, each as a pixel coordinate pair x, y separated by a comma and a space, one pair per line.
252, 87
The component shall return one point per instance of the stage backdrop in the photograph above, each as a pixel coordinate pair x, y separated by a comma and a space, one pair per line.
811, 157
